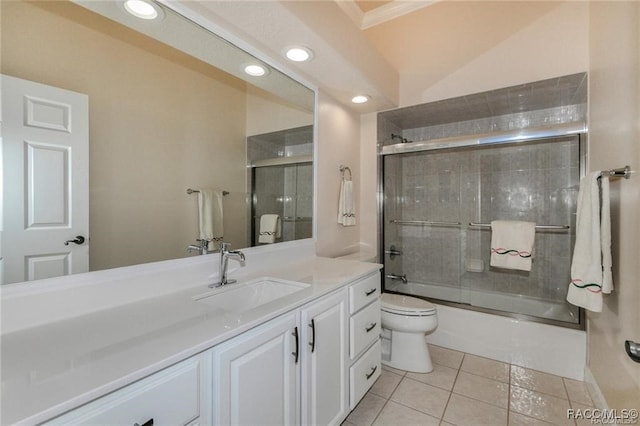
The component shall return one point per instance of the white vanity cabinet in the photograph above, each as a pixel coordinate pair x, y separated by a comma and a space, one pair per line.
256, 375
169, 397
325, 390
364, 330
288, 371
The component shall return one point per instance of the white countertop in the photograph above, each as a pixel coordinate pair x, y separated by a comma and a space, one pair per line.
52, 368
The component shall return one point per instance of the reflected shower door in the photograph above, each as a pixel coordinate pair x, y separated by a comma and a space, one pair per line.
285, 190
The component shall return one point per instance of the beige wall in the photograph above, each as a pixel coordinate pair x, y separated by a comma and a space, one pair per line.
338, 143
159, 123
457, 48
614, 141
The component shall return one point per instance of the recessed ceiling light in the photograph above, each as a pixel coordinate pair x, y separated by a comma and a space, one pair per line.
255, 70
143, 9
299, 54
360, 99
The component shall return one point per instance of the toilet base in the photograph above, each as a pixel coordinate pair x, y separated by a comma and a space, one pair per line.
409, 352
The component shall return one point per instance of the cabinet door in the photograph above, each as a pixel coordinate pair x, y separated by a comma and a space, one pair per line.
325, 374
255, 376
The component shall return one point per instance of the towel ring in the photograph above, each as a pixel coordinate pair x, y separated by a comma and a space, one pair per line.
345, 168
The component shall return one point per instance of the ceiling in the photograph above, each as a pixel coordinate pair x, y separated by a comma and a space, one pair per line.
370, 46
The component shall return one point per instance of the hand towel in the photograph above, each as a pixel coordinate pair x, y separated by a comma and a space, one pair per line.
512, 244
592, 249
270, 228
346, 204
210, 214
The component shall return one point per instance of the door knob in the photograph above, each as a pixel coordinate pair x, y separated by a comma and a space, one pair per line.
77, 240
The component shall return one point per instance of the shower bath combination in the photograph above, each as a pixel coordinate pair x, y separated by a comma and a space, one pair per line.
437, 201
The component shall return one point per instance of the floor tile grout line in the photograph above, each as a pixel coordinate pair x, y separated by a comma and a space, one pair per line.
452, 387
390, 395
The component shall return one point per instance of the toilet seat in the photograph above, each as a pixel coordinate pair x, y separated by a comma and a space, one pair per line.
406, 305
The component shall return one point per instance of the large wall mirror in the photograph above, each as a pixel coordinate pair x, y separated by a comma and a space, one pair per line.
169, 108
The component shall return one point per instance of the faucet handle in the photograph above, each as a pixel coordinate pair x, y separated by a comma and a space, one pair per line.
224, 247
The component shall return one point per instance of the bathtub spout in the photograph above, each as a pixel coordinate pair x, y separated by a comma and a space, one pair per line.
402, 277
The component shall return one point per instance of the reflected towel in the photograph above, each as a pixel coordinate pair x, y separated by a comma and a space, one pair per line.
270, 228
346, 204
512, 244
591, 264
210, 214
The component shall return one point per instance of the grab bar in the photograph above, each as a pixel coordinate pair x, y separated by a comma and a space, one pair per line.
488, 225
424, 222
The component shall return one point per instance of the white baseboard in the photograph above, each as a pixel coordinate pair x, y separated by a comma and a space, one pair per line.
594, 390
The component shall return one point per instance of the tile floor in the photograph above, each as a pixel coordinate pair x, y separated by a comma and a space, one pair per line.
464, 390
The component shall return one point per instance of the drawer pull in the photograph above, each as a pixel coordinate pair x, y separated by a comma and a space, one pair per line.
297, 351
371, 327
147, 423
373, 370
312, 343
370, 292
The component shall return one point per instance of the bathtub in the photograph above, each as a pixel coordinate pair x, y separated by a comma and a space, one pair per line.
548, 348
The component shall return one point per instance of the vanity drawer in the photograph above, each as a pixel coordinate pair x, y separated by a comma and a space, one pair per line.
364, 328
169, 397
364, 292
363, 374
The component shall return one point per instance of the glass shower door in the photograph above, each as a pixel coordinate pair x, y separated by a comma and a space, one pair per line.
438, 206
285, 190
422, 232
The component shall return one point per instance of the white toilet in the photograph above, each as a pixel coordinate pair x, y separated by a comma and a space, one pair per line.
405, 322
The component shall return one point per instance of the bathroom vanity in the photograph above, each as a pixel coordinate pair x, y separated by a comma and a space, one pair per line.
293, 342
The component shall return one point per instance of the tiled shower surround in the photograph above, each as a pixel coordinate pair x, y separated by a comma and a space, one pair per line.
533, 181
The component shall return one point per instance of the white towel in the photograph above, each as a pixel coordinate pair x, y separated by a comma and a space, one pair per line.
210, 214
591, 264
512, 244
346, 204
270, 228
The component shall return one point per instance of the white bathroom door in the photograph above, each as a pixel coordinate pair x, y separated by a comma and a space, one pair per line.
45, 162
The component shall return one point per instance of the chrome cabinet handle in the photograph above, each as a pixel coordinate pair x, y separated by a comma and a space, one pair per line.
312, 343
296, 352
373, 370
370, 292
147, 423
633, 350
371, 327
78, 240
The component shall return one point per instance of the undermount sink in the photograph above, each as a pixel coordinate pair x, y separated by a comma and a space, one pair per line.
242, 297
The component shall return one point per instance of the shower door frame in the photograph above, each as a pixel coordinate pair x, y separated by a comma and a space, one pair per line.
578, 129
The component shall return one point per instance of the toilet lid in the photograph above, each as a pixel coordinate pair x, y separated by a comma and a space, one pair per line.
400, 303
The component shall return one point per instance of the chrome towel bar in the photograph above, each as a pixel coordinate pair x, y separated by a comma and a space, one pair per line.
424, 222
488, 225
624, 172
191, 191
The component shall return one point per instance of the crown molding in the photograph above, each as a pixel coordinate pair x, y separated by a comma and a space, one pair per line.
381, 14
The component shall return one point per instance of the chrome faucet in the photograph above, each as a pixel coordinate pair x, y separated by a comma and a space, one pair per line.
202, 248
225, 254
402, 277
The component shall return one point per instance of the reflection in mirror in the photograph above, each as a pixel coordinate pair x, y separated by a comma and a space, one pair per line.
169, 108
